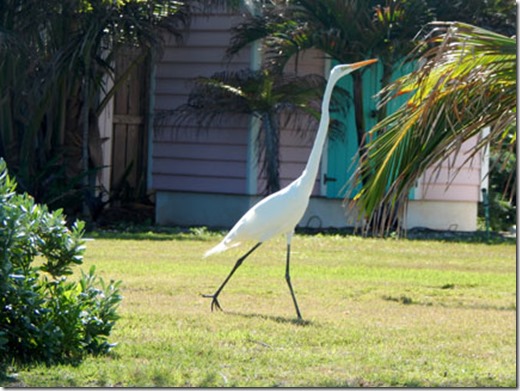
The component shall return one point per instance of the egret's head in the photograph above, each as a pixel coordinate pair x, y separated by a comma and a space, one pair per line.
344, 69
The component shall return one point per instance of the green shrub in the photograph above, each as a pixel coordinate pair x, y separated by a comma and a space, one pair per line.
43, 315
502, 191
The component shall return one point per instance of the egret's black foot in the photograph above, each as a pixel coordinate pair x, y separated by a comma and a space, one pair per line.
214, 302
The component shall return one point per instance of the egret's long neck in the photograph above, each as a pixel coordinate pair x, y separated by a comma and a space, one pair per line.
311, 169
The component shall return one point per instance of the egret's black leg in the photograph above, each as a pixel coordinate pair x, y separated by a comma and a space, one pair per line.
288, 279
214, 297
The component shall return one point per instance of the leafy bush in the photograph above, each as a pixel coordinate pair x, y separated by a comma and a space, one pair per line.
502, 190
44, 316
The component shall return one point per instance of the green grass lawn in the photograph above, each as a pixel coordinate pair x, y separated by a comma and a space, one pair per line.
377, 313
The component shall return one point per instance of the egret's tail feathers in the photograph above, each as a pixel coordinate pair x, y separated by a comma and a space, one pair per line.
217, 249
222, 246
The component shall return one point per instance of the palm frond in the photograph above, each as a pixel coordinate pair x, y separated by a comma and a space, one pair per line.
277, 100
247, 92
466, 81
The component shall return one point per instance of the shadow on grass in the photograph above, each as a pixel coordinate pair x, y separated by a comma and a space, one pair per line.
133, 231
155, 233
277, 319
420, 233
407, 300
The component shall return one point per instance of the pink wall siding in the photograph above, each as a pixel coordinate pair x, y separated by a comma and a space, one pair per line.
211, 160
464, 185
215, 160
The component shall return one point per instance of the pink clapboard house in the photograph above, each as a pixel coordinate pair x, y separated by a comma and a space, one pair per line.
211, 177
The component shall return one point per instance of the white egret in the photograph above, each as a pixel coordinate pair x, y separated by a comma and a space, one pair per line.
279, 212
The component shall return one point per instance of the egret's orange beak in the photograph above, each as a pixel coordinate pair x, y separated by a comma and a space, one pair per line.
360, 64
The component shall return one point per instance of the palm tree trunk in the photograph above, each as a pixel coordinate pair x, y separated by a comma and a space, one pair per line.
385, 80
359, 114
85, 124
271, 140
359, 108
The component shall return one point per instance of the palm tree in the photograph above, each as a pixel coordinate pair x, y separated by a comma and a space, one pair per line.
344, 30
54, 58
466, 81
275, 99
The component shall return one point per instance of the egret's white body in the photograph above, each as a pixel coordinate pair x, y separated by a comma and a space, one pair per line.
279, 212
269, 217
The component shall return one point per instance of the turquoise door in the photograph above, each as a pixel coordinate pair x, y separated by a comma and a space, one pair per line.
342, 152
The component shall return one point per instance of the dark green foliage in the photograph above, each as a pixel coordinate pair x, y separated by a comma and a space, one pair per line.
502, 187
55, 56
43, 315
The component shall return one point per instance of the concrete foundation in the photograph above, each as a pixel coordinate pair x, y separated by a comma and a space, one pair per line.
224, 210
442, 215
